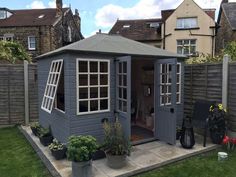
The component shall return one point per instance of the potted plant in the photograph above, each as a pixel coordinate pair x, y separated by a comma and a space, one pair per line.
116, 145
35, 127
58, 149
79, 151
216, 123
45, 136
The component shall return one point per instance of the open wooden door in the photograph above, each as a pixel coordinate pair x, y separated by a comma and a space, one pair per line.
165, 100
123, 93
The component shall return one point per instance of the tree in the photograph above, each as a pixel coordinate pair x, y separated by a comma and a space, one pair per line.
230, 49
13, 52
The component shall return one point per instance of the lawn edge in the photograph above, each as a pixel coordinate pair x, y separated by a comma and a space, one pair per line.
40, 154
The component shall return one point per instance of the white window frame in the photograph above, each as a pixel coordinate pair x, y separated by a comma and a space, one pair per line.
29, 43
189, 45
182, 23
95, 86
52, 82
4, 13
178, 94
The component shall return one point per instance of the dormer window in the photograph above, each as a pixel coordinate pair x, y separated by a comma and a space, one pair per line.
186, 23
4, 14
154, 25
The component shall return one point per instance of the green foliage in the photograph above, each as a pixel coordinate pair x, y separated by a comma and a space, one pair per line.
35, 125
81, 148
115, 142
56, 145
13, 52
44, 132
230, 49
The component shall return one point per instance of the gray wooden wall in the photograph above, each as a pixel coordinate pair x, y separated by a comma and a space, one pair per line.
12, 109
204, 81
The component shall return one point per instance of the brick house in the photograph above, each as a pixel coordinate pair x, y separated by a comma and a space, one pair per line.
40, 30
188, 29
227, 25
142, 30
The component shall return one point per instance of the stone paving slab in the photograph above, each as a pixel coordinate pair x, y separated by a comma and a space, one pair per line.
144, 157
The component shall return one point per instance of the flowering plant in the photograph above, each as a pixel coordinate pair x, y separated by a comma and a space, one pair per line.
229, 143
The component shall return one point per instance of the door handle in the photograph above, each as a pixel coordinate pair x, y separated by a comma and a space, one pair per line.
172, 110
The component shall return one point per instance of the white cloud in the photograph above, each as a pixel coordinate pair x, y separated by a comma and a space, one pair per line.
108, 14
38, 4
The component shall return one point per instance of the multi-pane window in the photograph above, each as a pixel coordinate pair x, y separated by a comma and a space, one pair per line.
186, 23
31, 43
122, 86
165, 85
186, 46
3, 14
178, 83
93, 88
7, 38
52, 84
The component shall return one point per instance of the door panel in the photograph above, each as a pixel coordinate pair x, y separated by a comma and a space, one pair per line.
123, 93
165, 100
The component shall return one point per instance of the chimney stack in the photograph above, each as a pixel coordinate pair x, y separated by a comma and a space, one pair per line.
58, 8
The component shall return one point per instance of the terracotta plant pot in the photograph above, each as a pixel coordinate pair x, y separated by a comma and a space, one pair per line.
116, 161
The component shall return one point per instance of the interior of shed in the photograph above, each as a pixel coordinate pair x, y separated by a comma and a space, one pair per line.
142, 99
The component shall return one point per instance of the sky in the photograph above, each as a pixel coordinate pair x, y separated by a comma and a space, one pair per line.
102, 14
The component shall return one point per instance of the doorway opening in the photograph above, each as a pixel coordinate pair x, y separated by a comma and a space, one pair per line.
142, 100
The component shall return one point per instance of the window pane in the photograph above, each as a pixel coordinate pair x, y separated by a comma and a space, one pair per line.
93, 79
179, 50
103, 79
193, 41
179, 42
124, 93
103, 92
178, 68
83, 66
162, 97
120, 92
83, 93
177, 81
169, 89
104, 67
120, 67
93, 105
192, 49
120, 80
120, 105
177, 88
124, 106
124, 67
93, 66
83, 80
94, 92
186, 50
104, 104
177, 98
124, 80
83, 106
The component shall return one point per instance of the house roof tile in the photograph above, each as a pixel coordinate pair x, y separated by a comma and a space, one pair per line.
30, 17
138, 29
230, 13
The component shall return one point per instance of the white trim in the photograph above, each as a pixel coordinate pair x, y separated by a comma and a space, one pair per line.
51, 89
29, 43
180, 86
88, 86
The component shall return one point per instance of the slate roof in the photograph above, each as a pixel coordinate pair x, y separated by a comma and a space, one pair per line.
30, 17
139, 29
115, 45
229, 10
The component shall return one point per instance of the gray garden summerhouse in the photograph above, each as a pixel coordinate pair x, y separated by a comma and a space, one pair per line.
108, 76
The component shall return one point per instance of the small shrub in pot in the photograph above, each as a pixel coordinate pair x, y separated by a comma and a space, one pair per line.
35, 127
58, 149
45, 136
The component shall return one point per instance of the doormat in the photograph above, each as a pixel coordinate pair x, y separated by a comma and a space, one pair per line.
136, 137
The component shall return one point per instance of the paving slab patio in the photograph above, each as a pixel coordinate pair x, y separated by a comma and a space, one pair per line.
143, 157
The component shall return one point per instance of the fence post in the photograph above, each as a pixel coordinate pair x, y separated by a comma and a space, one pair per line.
225, 72
26, 86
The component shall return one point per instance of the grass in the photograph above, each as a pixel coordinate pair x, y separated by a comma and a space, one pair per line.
205, 165
17, 157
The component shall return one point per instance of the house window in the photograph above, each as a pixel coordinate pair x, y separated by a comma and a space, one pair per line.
31, 43
186, 23
3, 14
7, 38
69, 34
165, 85
178, 83
122, 86
51, 86
126, 26
60, 95
186, 47
93, 86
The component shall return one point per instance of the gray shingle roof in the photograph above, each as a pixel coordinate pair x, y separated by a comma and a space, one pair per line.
229, 10
115, 45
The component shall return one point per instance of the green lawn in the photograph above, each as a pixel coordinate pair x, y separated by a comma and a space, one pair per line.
17, 158
205, 165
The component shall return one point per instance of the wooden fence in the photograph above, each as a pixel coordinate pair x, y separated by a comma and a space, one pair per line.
204, 81
12, 93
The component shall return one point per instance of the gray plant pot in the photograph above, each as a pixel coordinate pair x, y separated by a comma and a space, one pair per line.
82, 169
116, 161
